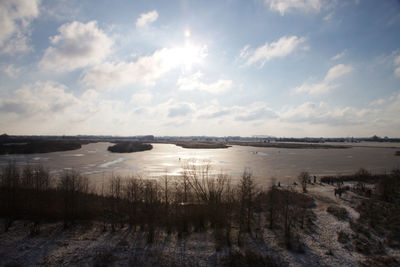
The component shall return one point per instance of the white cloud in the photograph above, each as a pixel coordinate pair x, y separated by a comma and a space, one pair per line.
78, 45
337, 71
180, 110
279, 49
397, 72
15, 19
328, 83
51, 108
381, 117
396, 62
41, 99
329, 16
284, 6
378, 102
213, 112
244, 52
141, 98
146, 18
339, 56
254, 112
144, 70
11, 70
322, 113
315, 88
193, 82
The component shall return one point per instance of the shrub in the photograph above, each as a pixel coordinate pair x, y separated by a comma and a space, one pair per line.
338, 212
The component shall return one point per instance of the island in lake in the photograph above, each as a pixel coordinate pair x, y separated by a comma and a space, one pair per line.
128, 147
201, 145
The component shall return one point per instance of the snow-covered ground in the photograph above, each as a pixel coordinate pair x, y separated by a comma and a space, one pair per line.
88, 245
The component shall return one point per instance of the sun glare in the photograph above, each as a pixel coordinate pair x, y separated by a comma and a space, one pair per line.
188, 55
187, 33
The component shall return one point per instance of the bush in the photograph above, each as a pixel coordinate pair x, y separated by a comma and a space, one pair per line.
338, 212
103, 258
343, 237
249, 258
381, 261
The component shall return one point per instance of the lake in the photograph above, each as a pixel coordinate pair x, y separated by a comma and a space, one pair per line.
95, 161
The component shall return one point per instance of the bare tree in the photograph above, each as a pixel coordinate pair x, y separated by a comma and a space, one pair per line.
389, 185
151, 201
41, 182
247, 192
116, 191
72, 186
134, 196
304, 178
208, 188
272, 198
9, 181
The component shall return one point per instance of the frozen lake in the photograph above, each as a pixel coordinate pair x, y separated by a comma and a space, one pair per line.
96, 162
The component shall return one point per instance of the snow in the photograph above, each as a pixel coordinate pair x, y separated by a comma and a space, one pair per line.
88, 245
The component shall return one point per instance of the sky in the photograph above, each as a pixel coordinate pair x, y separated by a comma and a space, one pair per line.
288, 68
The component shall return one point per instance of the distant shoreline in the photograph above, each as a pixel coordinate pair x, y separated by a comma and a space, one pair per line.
290, 145
202, 145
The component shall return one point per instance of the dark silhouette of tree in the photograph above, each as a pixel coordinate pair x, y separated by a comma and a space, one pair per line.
304, 178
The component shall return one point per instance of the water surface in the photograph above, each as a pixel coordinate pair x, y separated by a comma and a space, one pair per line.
96, 162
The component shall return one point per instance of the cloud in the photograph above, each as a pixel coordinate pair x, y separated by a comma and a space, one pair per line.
380, 117
328, 83
214, 111
10, 70
255, 111
193, 82
279, 49
40, 99
397, 72
78, 45
141, 98
378, 102
339, 56
15, 19
285, 6
144, 70
210, 114
329, 16
146, 18
338, 71
180, 110
322, 113
51, 108
396, 62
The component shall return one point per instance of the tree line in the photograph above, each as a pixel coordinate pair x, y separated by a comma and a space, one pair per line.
196, 201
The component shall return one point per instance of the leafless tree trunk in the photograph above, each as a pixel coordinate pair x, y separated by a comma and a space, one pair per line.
10, 183
134, 196
116, 188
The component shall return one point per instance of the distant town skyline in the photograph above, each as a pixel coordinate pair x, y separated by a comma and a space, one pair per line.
316, 68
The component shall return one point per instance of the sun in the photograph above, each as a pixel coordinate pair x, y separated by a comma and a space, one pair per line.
190, 54
187, 33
